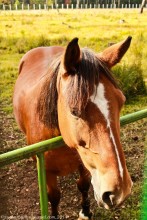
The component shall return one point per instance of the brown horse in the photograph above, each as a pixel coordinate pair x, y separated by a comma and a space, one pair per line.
71, 91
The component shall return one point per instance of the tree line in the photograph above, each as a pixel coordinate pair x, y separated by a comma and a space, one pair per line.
118, 2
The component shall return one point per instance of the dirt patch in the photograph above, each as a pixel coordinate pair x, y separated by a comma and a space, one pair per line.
19, 197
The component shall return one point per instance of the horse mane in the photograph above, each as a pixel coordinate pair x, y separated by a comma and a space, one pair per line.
47, 102
80, 87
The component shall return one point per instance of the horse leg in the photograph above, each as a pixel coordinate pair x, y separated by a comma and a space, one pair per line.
53, 194
83, 184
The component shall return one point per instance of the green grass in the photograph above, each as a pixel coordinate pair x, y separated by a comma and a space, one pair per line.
21, 31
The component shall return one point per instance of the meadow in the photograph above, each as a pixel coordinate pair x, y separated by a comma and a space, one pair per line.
23, 30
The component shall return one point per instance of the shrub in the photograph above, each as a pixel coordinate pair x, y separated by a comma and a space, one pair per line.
130, 80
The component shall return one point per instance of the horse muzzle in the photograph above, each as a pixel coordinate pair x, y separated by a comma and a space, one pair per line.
109, 200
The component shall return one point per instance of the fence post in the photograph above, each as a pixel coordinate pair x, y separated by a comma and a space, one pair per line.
42, 186
144, 199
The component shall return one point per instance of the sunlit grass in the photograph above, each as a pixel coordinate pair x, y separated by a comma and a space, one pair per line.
22, 31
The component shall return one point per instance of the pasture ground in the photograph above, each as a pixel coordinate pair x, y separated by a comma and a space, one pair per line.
21, 31
19, 196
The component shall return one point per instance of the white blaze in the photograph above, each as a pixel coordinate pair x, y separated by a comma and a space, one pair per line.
103, 105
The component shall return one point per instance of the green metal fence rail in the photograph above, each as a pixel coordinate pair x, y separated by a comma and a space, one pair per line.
39, 149
144, 199
130, 118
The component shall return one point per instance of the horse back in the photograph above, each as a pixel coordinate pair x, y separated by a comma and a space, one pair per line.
35, 63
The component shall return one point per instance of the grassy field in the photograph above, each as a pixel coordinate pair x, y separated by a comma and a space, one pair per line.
21, 31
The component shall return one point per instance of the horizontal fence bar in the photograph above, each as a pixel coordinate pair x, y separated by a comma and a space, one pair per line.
130, 118
31, 150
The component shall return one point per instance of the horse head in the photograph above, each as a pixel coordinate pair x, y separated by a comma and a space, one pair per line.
89, 105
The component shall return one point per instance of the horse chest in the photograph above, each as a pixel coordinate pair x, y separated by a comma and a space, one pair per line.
62, 161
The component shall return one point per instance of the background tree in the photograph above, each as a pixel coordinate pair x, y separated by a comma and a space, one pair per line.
49, 2
17, 2
142, 6
6, 2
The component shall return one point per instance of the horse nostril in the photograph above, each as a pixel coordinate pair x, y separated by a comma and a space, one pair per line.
82, 143
107, 198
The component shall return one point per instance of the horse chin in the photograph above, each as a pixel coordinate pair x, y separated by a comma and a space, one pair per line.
103, 205
107, 207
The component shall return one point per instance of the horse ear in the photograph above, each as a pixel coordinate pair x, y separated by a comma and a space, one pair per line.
71, 56
113, 54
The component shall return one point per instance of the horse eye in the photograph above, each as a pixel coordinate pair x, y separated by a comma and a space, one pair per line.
75, 113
